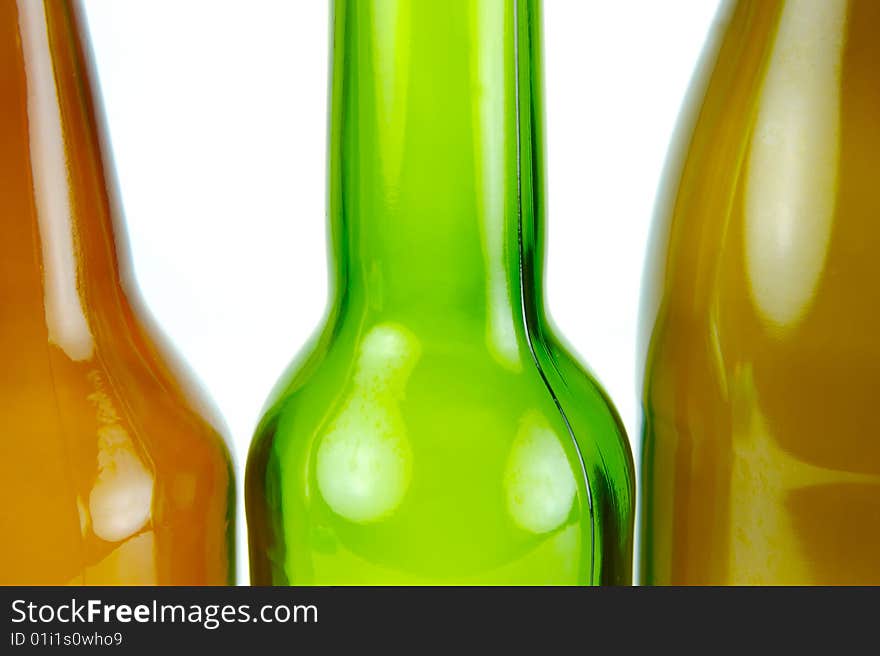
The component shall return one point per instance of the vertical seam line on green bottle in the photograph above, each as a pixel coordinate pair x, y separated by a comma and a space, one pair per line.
526, 322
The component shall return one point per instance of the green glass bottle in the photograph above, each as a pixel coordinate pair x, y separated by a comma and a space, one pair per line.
762, 436
437, 431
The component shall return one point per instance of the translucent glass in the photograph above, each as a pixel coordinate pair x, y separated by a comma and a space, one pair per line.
112, 470
762, 315
436, 430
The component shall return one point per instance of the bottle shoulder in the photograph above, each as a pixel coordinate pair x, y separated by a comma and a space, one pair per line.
121, 373
431, 375
126, 466
405, 399
594, 421
398, 437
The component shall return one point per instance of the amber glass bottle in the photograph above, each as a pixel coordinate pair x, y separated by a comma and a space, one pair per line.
112, 471
761, 460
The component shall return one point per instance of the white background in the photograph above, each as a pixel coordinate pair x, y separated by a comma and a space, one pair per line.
217, 114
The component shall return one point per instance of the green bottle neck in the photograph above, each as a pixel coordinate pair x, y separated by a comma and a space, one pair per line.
436, 160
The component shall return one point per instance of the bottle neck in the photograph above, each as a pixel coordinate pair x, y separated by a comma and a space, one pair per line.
58, 244
435, 159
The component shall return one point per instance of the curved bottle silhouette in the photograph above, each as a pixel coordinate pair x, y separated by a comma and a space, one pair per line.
436, 431
112, 471
762, 442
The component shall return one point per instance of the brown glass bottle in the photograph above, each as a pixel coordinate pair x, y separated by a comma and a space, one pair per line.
111, 469
761, 459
